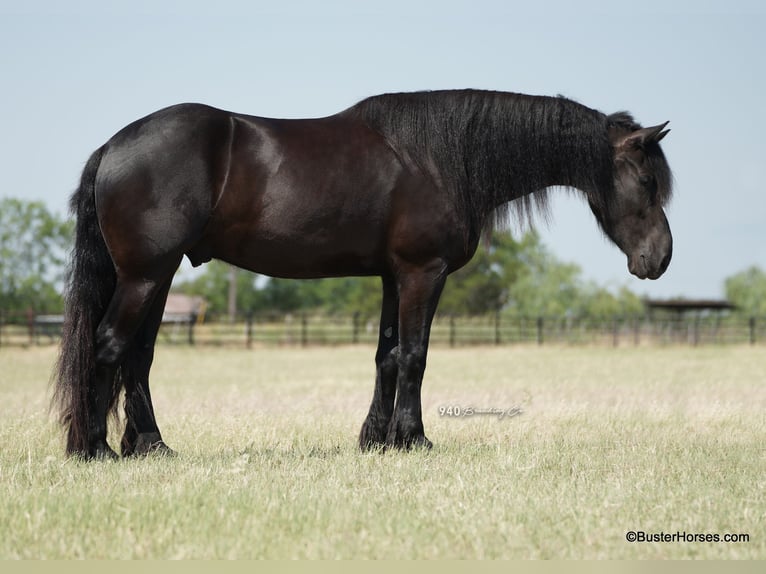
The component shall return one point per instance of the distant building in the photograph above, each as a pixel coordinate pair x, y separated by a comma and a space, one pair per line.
686, 317
182, 308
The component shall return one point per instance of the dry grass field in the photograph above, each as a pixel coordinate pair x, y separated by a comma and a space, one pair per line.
656, 440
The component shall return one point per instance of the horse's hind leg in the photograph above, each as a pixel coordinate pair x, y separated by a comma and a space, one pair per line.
130, 304
375, 426
100, 399
142, 435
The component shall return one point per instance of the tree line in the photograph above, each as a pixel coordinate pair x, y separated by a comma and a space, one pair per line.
518, 276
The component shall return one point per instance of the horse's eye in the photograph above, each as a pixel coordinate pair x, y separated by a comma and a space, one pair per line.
645, 180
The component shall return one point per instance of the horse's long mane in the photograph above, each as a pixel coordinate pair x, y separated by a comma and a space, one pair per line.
489, 148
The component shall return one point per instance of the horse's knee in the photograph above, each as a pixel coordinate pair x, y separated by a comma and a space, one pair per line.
412, 364
388, 363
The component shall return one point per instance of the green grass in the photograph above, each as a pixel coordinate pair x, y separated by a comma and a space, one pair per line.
610, 440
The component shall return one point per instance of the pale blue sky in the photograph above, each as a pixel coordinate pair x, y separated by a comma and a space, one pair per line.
73, 73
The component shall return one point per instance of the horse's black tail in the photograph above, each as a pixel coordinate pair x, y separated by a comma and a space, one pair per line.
90, 284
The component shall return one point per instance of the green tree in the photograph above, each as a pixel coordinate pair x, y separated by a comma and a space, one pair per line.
545, 286
600, 303
349, 295
342, 295
34, 244
289, 295
213, 285
482, 286
747, 290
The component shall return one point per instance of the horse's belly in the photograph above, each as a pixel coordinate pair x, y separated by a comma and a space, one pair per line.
325, 252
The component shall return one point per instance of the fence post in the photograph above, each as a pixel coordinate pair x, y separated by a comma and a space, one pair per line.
540, 324
752, 330
190, 335
304, 330
355, 328
31, 326
696, 330
249, 331
451, 330
497, 327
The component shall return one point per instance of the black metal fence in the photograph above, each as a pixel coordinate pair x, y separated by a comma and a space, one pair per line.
500, 329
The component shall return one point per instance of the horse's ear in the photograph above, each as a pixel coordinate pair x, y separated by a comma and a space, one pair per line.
662, 134
643, 136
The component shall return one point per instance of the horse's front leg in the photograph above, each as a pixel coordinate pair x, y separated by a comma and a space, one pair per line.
375, 427
419, 291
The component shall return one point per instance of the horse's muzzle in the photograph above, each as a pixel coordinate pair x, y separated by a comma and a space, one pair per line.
645, 267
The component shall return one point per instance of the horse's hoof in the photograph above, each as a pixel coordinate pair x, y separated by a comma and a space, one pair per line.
161, 449
409, 443
371, 438
371, 446
105, 454
422, 442
156, 448
148, 444
98, 452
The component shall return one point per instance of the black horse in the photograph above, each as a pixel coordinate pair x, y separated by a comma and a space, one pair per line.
401, 186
